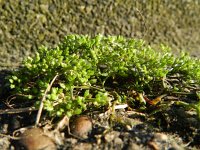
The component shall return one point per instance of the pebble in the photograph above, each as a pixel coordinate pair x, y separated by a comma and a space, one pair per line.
83, 146
133, 146
175, 146
118, 141
158, 142
35, 139
160, 137
153, 145
81, 126
110, 136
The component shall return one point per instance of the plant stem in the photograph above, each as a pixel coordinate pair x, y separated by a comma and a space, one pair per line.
43, 99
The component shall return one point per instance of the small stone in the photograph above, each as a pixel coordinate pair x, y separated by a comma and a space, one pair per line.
133, 146
118, 141
83, 146
4, 142
175, 146
160, 137
81, 126
153, 145
109, 137
35, 139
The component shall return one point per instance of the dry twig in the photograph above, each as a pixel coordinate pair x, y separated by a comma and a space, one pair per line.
43, 99
17, 110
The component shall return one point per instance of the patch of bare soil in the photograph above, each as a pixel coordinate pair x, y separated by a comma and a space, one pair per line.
121, 129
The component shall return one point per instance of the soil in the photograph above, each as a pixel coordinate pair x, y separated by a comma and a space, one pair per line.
124, 128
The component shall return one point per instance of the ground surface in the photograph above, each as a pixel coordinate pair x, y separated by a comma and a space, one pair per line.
174, 128
127, 130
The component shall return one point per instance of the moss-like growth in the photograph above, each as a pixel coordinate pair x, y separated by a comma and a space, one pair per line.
94, 71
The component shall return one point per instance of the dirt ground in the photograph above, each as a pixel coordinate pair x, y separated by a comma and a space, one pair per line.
120, 128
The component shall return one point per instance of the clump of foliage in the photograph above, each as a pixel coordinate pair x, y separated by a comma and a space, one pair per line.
94, 71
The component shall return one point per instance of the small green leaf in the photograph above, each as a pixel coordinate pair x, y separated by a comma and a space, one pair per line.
12, 86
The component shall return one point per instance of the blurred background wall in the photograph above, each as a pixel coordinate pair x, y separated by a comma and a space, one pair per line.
25, 25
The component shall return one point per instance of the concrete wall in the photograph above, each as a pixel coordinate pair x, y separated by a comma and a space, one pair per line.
27, 24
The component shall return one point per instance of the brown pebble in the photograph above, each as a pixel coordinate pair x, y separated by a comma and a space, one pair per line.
110, 136
133, 146
80, 126
153, 145
35, 139
160, 137
83, 146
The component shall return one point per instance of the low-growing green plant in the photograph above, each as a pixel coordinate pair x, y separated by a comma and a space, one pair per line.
92, 71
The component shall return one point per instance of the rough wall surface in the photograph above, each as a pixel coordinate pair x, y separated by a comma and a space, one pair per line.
27, 24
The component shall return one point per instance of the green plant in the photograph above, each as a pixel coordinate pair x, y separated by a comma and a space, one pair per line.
92, 71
